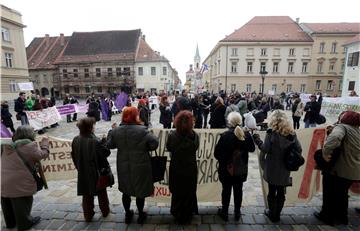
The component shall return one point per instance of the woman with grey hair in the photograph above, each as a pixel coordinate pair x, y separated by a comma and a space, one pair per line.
232, 152
17, 182
278, 139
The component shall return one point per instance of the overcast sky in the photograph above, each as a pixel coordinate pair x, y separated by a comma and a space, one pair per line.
173, 27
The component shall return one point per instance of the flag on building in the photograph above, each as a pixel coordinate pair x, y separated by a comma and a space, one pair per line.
204, 68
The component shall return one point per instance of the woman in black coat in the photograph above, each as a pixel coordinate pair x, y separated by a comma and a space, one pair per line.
165, 112
217, 117
6, 116
182, 144
232, 152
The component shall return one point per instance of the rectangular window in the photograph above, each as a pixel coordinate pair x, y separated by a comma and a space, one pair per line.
288, 87
260, 88
291, 67
276, 51
86, 72
76, 89
351, 85
12, 86
322, 47
248, 88
292, 52
274, 88
234, 51
318, 84
9, 59
99, 89
218, 67
355, 59
109, 72
319, 67
276, 67
75, 72
304, 67
140, 70
333, 47
332, 67
87, 89
263, 52
330, 85
66, 89
164, 70
118, 71
5, 34
233, 67
249, 67
340, 84
250, 52
262, 66
233, 87
126, 71
65, 74
306, 52
98, 72
302, 88
153, 70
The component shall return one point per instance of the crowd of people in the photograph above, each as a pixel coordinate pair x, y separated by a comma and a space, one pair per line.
133, 141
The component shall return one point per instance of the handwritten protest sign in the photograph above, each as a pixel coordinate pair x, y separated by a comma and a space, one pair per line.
43, 118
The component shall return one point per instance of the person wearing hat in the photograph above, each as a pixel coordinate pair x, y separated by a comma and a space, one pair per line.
312, 110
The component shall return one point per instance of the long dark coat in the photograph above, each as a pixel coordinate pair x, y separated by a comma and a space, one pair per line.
89, 155
226, 145
274, 147
165, 114
217, 117
312, 110
133, 143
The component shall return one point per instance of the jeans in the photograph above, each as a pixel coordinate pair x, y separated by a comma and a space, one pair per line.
24, 120
308, 124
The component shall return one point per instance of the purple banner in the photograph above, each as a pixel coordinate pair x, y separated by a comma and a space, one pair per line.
66, 109
104, 109
5, 133
121, 100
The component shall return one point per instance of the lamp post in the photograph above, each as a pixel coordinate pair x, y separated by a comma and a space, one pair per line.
263, 73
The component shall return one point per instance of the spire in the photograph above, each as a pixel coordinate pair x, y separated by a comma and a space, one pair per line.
197, 54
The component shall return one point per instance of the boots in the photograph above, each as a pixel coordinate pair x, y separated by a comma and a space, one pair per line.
271, 213
279, 206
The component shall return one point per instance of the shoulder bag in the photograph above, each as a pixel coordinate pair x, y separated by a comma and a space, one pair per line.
158, 166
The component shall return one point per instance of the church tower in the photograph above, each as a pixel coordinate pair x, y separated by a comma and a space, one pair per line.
197, 60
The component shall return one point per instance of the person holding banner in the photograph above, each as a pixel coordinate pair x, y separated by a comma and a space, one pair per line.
133, 142
232, 152
346, 170
20, 108
183, 144
89, 156
278, 139
17, 182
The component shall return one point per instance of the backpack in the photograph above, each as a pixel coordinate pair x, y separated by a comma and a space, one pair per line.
237, 166
293, 158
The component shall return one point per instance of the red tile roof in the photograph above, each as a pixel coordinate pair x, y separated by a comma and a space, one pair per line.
354, 39
94, 58
269, 28
146, 53
342, 27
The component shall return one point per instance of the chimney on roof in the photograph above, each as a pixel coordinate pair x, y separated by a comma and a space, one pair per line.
47, 41
62, 41
297, 20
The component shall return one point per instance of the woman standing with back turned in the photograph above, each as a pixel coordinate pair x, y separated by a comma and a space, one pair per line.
182, 144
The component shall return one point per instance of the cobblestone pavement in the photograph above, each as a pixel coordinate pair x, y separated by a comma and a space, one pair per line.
60, 208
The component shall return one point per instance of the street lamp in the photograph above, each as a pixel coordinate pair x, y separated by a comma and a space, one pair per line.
263, 73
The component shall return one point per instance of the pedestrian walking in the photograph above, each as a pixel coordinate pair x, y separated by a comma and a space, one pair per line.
165, 112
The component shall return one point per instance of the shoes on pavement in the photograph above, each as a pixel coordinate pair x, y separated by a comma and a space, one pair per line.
237, 216
142, 217
223, 215
326, 220
35, 221
272, 218
128, 216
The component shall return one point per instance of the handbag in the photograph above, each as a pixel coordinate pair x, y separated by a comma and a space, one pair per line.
105, 179
293, 159
40, 183
320, 119
158, 166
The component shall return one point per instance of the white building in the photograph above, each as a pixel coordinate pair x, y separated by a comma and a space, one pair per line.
153, 72
351, 78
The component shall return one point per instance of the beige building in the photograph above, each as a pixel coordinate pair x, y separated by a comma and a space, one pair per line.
328, 55
275, 44
351, 80
14, 68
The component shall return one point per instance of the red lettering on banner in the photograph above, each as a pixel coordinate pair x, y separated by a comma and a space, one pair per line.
161, 191
318, 137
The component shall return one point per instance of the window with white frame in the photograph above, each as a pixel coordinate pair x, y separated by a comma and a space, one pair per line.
234, 51
319, 67
250, 52
164, 70
86, 72
9, 59
292, 52
333, 47
317, 84
330, 85
153, 70
118, 72
302, 88
322, 47
263, 52
109, 72
218, 69
353, 59
233, 67
98, 72
332, 67
263, 66
304, 67
75, 73
306, 52
249, 67
248, 87
351, 86
233, 87
291, 67
276, 51
64, 72
276, 67
5, 34
274, 88
140, 71
288, 87
12, 86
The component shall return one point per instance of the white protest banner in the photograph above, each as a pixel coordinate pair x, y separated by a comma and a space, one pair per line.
28, 86
43, 118
332, 107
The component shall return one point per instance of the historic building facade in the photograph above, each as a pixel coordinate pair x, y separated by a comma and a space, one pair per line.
14, 68
351, 79
194, 81
328, 55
